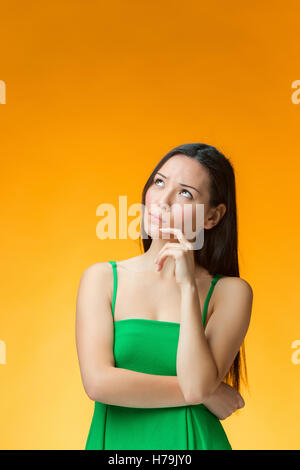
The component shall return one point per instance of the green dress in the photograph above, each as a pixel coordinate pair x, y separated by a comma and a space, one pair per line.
150, 346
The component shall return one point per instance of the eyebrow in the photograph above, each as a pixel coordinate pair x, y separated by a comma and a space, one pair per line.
182, 184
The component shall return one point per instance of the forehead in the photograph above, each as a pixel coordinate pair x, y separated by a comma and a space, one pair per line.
187, 170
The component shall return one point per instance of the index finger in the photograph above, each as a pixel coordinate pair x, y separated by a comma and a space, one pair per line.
179, 235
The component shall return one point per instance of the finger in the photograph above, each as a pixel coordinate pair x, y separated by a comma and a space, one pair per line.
172, 253
171, 245
178, 234
177, 246
168, 246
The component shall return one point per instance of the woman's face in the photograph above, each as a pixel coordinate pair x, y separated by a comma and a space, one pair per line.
178, 187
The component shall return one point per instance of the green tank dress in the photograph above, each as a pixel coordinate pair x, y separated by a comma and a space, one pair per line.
150, 346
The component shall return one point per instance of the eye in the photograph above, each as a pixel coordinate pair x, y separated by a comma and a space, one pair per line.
183, 191
186, 191
158, 179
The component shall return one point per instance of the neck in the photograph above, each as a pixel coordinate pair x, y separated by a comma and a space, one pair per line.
151, 254
169, 264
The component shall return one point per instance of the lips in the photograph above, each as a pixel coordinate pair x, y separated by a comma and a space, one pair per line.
158, 218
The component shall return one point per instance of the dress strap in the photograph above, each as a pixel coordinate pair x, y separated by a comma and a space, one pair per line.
114, 266
212, 285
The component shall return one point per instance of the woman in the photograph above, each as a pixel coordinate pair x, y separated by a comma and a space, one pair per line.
157, 333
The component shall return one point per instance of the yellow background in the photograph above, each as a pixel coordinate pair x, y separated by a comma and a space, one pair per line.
97, 94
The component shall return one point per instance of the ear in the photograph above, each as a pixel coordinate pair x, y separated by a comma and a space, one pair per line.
215, 214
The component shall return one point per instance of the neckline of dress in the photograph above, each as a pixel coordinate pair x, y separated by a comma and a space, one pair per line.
147, 319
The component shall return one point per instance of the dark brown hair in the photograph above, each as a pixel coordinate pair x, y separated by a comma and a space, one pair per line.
219, 253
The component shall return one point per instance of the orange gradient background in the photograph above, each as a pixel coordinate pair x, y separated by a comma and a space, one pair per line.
96, 94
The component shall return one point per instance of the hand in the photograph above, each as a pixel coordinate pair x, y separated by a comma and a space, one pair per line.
224, 401
183, 255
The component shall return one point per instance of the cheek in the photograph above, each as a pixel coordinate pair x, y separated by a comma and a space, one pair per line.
148, 198
184, 212
149, 201
177, 216
183, 217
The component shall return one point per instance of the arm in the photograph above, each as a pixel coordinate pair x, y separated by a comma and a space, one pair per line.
123, 387
204, 358
137, 389
102, 381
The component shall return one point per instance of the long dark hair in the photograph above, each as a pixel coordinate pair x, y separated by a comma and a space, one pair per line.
219, 253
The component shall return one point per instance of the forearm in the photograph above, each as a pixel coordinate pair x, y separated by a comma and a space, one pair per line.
123, 387
196, 369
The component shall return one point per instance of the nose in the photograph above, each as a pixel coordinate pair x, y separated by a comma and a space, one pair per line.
164, 207
161, 204
165, 201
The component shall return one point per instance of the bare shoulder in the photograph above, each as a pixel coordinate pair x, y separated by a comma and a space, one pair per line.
97, 277
98, 270
235, 289
233, 282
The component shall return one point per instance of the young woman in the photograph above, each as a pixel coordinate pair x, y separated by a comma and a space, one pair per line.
158, 333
